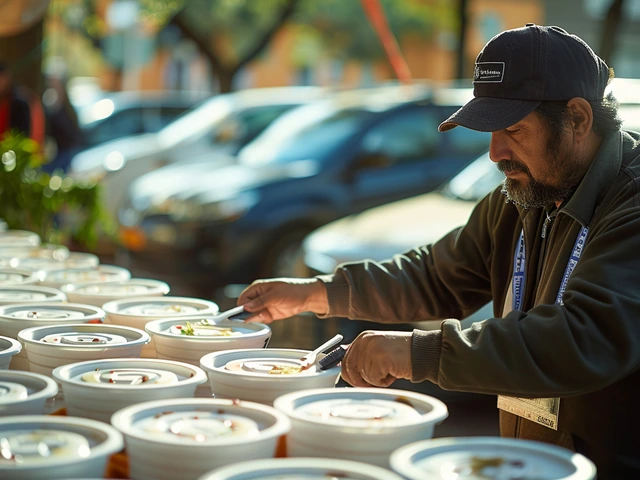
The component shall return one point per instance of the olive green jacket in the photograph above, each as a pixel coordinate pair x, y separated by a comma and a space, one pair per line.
586, 351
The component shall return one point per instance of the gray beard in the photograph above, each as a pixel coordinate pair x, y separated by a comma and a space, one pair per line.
535, 195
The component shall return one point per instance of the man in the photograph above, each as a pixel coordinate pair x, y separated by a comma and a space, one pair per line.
560, 258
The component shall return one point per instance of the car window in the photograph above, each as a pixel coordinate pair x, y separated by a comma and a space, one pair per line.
464, 141
124, 122
244, 126
405, 136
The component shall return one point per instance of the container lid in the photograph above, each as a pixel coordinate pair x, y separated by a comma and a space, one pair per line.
301, 469
51, 312
131, 287
81, 260
84, 336
200, 422
16, 276
18, 238
30, 293
46, 250
362, 407
160, 306
129, 374
202, 328
17, 386
480, 458
33, 441
101, 273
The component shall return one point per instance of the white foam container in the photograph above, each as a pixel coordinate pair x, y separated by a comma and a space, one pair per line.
81, 260
262, 387
24, 393
445, 458
99, 441
18, 239
8, 348
45, 250
101, 400
360, 424
19, 276
136, 312
17, 317
190, 349
169, 456
100, 293
56, 345
30, 293
100, 273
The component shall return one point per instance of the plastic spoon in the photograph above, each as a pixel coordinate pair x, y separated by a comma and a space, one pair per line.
310, 358
236, 311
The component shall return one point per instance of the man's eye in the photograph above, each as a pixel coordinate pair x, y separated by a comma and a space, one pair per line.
512, 131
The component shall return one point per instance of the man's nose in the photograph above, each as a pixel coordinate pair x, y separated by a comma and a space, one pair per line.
499, 148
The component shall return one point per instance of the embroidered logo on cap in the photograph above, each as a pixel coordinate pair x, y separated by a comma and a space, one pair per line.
488, 72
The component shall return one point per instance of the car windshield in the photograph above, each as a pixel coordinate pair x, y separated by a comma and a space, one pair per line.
475, 181
308, 133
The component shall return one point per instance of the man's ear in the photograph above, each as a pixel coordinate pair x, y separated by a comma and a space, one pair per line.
581, 117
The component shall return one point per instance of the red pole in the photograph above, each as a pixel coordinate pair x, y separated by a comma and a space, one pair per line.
376, 15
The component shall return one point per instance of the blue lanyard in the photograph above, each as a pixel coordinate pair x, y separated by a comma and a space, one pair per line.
519, 263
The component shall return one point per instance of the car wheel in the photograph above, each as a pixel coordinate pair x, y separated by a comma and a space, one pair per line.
284, 256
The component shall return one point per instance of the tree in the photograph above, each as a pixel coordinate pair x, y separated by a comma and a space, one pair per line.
611, 26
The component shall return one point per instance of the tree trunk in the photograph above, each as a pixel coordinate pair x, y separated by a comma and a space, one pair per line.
225, 80
611, 26
461, 71
23, 54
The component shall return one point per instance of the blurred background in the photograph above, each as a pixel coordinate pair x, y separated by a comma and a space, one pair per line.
208, 143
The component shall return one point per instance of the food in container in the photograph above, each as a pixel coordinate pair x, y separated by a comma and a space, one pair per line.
301, 469
480, 458
30, 293
8, 348
136, 312
101, 273
24, 393
56, 345
186, 438
18, 238
99, 388
17, 317
100, 293
188, 339
262, 375
18, 276
46, 447
361, 424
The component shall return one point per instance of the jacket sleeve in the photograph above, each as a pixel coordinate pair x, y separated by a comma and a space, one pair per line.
589, 342
447, 279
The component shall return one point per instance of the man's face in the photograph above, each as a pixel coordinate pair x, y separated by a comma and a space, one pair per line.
539, 162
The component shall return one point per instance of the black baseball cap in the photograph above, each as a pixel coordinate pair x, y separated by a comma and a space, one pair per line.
519, 69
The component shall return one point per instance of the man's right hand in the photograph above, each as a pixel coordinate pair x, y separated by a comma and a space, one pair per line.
279, 298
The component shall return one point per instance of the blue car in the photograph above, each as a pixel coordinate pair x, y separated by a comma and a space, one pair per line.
209, 227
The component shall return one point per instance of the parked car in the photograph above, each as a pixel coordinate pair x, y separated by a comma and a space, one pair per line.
116, 115
316, 163
213, 131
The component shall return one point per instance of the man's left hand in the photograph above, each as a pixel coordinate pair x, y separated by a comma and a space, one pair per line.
378, 358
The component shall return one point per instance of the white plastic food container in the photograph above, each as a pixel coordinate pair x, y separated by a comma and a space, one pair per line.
19, 239
14, 318
24, 393
361, 424
101, 273
98, 389
8, 348
47, 250
489, 457
100, 293
188, 339
81, 260
186, 438
56, 345
136, 312
55, 447
18, 276
262, 375
301, 469
30, 293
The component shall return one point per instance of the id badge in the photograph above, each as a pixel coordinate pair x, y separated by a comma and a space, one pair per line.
543, 411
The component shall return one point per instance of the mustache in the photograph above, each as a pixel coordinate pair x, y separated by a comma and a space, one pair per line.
512, 166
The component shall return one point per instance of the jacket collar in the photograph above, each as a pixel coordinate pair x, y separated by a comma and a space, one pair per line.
603, 171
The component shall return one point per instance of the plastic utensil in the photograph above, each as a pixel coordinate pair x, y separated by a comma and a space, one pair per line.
310, 358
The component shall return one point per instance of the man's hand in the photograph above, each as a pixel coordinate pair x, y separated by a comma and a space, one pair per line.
280, 298
378, 359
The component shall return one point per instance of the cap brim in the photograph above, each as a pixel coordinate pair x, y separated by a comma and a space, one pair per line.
488, 114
